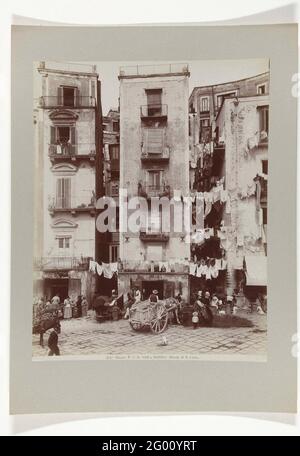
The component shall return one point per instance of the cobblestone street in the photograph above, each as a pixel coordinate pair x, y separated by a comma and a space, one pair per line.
86, 336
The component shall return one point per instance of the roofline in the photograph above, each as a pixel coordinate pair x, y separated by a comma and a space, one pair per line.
244, 98
228, 82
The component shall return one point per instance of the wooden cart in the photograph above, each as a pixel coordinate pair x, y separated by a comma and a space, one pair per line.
154, 315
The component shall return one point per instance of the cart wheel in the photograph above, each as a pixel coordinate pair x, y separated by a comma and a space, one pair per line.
159, 320
136, 326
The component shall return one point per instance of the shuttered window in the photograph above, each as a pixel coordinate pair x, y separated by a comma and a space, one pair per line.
154, 140
63, 192
154, 97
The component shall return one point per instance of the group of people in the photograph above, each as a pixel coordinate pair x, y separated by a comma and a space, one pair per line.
66, 309
207, 305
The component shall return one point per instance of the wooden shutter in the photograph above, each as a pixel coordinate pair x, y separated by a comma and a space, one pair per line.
155, 140
63, 192
59, 193
77, 98
154, 97
60, 96
67, 192
52, 135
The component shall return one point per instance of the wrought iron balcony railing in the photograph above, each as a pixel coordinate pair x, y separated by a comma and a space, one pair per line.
154, 110
149, 191
154, 236
71, 204
61, 263
67, 151
162, 156
67, 102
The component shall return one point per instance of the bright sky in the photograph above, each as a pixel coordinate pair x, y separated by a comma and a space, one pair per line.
203, 72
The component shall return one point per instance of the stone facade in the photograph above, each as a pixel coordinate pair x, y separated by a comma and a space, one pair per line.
153, 105
65, 124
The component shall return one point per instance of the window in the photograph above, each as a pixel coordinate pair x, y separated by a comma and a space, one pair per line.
63, 193
154, 221
105, 127
114, 151
154, 102
221, 98
264, 119
154, 179
62, 135
264, 164
204, 104
205, 130
113, 253
265, 215
116, 126
261, 89
68, 96
154, 140
64, 242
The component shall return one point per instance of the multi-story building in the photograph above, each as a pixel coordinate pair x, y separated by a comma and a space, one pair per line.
229, 128
242, 134
154, 161
66, 119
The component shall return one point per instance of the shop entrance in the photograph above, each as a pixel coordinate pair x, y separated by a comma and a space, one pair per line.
149, 285
56, 287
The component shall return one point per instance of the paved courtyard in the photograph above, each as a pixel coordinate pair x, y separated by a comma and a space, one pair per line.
85, 336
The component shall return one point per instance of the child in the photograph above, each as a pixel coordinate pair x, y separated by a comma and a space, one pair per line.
195, 319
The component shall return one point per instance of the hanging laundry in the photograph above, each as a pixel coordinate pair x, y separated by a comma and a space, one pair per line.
228, 206
193, 268
224, 195
216, 194
92, 266
114, 267
99, 269
107, 272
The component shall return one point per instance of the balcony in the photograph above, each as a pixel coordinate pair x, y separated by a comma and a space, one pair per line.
154, 191
154, 236
52, 102
61, 263
72, 152
64, 205
154, 111
161, 156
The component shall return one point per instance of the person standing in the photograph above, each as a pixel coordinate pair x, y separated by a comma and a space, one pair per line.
84, 306
79, 306
137, 296
55, 301
67, 309
154, 297
53, 342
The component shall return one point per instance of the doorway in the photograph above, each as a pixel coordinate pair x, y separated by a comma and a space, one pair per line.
149, 285
57, 287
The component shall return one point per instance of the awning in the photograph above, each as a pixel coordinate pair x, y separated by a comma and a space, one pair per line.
256, 270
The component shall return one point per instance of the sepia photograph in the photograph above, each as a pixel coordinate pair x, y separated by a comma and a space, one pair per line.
150, 209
